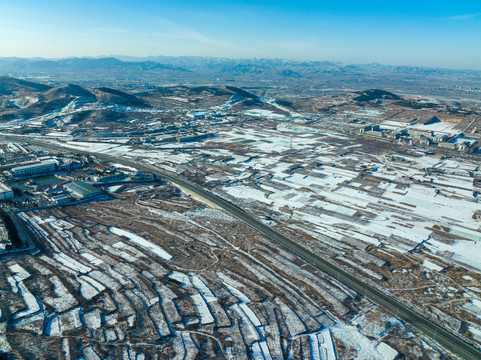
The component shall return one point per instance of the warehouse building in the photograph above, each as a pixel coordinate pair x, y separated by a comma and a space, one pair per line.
61, 199
6, 192
43, 167
82, 191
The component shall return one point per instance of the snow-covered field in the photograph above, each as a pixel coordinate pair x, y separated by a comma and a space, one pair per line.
212, 298
155, 249
397, 207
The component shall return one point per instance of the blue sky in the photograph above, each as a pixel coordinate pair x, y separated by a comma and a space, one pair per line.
423, 33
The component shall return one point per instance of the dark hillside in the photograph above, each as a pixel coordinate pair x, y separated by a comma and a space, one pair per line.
119, 97
66, 90
375, 94
242, 93
9, 85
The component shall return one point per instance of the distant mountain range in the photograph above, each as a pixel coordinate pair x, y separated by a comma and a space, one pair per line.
86, 66
261, 65
301, 76
124, 65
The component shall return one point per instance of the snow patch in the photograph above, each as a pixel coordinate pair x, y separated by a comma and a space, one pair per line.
147, 245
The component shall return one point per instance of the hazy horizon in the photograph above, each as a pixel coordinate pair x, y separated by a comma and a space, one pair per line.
154, 58
427, 34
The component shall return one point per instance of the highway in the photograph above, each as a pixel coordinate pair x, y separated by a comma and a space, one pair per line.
436, 332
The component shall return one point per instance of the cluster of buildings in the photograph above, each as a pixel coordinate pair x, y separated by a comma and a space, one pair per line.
59, 193
38, 180
32, 166
34, 180
55, 190
459, 89
186, 127
417, 136
189, 127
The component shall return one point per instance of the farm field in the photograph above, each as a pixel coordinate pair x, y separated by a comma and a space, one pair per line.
156, 274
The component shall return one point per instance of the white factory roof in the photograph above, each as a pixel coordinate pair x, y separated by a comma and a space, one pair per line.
43, 162
4, 188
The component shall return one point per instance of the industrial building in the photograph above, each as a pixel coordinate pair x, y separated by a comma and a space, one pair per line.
6, 192
82, 191
61, 199
43, 167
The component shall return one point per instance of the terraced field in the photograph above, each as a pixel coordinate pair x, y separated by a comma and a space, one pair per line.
155, 274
